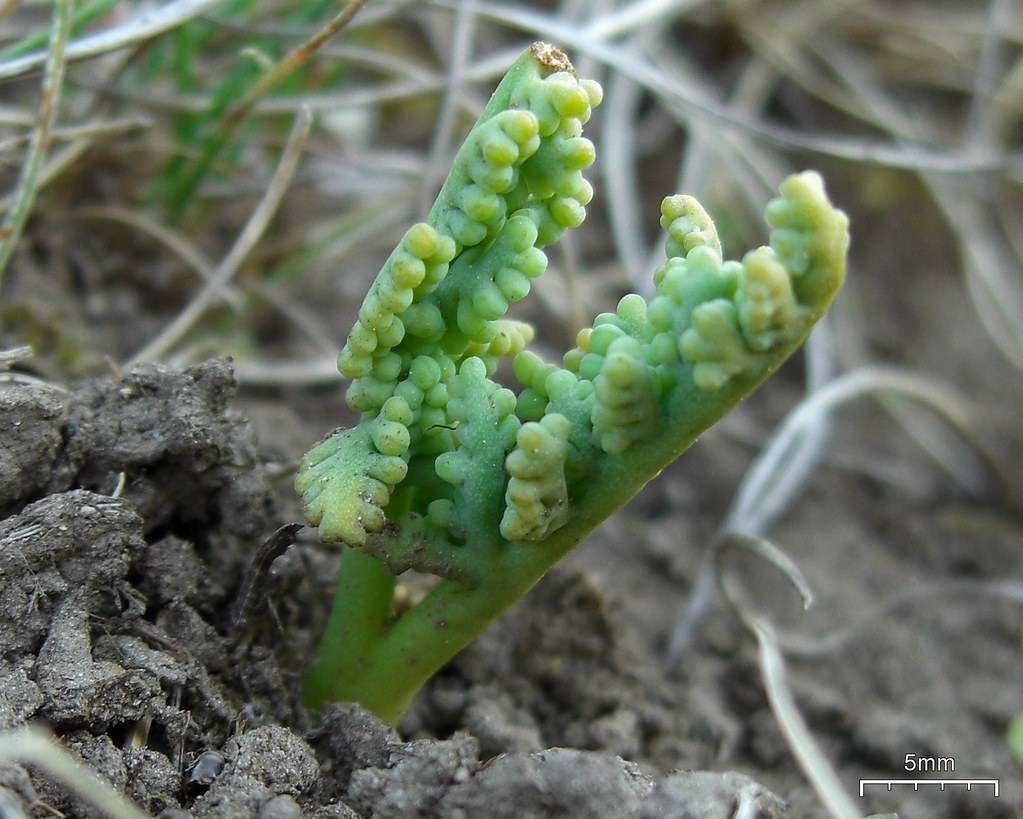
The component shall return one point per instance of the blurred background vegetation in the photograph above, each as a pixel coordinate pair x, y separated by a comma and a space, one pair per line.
159, 147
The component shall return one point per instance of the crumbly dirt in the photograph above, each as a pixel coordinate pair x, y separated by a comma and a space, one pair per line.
143, 625
129, 557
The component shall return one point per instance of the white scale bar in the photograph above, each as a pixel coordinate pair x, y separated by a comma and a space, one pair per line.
916, 783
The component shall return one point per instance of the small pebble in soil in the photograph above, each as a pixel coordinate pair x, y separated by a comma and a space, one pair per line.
205, 769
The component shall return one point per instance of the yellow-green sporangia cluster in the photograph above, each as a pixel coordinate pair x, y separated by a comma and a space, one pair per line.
450, 472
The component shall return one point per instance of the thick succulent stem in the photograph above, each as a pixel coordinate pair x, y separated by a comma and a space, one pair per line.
358, 623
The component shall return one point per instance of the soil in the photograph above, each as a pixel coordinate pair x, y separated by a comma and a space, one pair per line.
132, 632
144, 626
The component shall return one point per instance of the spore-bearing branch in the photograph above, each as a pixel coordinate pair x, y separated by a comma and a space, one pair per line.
452, 474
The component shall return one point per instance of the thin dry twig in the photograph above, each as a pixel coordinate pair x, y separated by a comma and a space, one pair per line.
243, 245
980, 117
358, 96
776, 40
39, 144
17, 117
239, 110
378, 12
376, 60
643, 14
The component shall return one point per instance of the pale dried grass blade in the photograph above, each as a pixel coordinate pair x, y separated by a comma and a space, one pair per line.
618, 167
34, 746
776, 478
67, 133
674, 95
298, 373
815, 765
13, 357
147, 23
247, 239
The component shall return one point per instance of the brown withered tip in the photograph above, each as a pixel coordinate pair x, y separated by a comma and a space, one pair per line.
551, 57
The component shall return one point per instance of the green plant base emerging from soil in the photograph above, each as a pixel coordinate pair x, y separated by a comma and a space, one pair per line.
451, 474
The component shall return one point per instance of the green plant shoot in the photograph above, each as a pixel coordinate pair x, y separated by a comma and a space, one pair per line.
452, 474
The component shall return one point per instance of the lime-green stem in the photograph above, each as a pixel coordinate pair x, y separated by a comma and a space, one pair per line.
429, 635
358, 620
